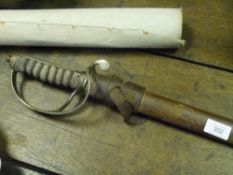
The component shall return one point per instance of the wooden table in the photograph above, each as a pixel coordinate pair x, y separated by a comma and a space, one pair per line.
96, 140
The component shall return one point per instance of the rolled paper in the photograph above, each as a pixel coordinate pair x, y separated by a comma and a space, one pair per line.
97, 27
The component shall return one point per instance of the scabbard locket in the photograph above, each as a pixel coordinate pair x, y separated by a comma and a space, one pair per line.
126, 96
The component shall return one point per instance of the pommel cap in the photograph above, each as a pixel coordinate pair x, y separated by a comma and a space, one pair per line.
11, 59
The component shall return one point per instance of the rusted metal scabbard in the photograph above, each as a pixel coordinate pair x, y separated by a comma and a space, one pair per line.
161, 108
183, 116
130, 98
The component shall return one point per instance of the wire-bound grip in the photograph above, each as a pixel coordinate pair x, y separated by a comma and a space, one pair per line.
80, 81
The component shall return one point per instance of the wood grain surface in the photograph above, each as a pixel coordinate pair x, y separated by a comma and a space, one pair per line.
96, 140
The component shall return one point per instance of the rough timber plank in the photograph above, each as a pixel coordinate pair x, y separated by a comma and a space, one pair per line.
97, 141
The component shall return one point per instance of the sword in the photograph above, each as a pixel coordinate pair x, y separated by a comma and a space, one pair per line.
128, 97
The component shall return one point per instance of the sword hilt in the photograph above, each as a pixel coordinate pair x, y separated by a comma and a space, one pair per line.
80, 81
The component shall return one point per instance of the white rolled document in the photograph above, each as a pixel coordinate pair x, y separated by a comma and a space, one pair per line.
102, 27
